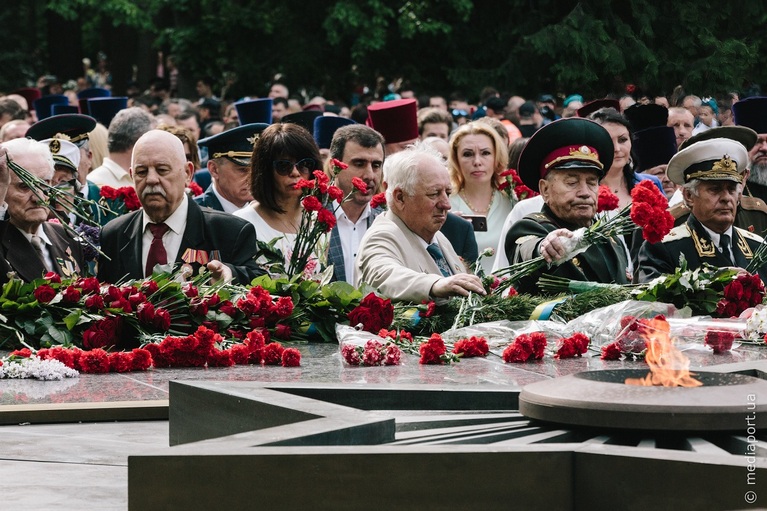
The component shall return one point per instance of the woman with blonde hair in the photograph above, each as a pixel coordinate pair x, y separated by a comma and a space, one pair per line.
478, 156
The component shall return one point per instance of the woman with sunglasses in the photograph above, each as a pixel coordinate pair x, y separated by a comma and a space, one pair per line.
283, 154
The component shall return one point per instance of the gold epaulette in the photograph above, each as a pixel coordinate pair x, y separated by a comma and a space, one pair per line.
753, 204
678, 210
748, 234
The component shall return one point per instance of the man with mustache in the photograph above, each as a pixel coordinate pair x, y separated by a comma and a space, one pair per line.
362, 149
403, 254
564, 161
171, 227
711, 173
31, 245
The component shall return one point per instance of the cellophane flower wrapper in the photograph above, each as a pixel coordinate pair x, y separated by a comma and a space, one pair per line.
351, 338
500, 334
573, 246
603, 325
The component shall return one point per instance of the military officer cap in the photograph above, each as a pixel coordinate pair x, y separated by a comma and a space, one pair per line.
235, 144
571, 143
64, 153
74, 127
742, 134
715, 159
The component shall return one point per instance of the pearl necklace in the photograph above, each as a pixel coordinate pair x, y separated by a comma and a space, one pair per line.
486, 211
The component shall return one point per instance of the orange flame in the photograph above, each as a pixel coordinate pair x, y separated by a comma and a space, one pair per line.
668, 366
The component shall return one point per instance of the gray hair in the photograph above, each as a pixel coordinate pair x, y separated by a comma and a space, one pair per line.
27, 146
693, 185
401, 170
127, 126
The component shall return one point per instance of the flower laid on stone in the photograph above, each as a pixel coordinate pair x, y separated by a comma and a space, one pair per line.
742, 293
573, 346
373, 353
631, 342
719, 341
526, 347
434, 351
29, 366
471, 347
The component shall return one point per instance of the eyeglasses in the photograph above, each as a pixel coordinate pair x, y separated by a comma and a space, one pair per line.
285, 167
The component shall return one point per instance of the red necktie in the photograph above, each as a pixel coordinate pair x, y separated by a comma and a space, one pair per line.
157, 253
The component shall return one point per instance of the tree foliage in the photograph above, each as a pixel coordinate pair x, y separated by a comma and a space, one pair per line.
594, 47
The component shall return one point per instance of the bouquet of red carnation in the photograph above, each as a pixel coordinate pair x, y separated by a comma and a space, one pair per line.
511, 184
573, 346
373, 353
471, 347
649, 211
607, 200
526, 347
631, 341
373, 313
320, 200
742, 293
434, 351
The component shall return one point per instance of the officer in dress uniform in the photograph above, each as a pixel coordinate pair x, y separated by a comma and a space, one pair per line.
565, 160
752, 210
711, 173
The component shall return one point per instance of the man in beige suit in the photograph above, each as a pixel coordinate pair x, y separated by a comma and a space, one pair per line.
403, 254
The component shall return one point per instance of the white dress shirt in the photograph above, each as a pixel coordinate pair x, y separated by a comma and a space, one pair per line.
172, 238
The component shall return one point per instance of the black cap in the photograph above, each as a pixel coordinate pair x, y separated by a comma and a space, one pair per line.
566, 143
304, 118
642, 117
597, 104
751, 113
235, 144
654, 146
75, 126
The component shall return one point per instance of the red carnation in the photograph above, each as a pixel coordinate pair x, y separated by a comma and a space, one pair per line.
196, 189
273, 354
611, 351
142, 359
282, 331
311, 203
120, 362
350, 354
220, 358
108, 192
291, 357
53, 278
94, 361
303, 183
339, 164
432, 350
607, 200
335, 193
378, 200
472, 347
360, 185
129, 197
573, 346
44, 293
327, 218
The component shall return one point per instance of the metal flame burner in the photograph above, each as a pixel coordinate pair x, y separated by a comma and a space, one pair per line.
601, 399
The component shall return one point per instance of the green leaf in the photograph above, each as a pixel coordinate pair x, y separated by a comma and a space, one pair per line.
72, 319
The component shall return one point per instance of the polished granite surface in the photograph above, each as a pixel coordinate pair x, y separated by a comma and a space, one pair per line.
76, 466
321, 363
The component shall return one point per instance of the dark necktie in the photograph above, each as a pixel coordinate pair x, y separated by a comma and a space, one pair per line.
37, 244
157, 253
439, 258
724, 246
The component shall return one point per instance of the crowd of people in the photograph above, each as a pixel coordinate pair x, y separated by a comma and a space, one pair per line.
216, 181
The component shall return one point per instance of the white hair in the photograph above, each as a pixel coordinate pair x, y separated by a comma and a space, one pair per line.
27, 146
693, 185
401, 170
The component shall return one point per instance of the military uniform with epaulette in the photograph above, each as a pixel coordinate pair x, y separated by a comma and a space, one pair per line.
718, 156
751, 215
602, 262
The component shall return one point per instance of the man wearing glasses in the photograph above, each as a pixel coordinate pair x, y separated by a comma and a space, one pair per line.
171, 228
403, 254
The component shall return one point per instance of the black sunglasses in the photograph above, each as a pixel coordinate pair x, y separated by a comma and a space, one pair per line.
285, 167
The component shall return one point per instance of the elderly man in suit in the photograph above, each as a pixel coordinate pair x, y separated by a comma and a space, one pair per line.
361, 148
31, 245
403, 254
171, 227
229, 155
